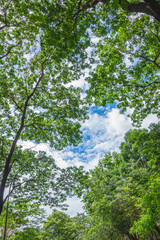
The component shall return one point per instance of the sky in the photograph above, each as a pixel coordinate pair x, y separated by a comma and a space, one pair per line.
102, 132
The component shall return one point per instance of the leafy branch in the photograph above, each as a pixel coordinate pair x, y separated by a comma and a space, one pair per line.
8, 163
141, 56
13, 46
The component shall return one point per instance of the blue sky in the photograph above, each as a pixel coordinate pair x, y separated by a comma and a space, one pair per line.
102, 132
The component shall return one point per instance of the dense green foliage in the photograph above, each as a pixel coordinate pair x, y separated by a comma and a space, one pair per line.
121, 197
129, 62
59, 226
43, 48
39, 55
122, 194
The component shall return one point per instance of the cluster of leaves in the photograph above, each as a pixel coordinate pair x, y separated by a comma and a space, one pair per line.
35, 182
122, 197
129, 62
43, 48
122, 194
40, 54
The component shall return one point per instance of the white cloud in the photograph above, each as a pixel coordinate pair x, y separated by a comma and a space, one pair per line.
75, 206
101, 134
118, 123
149, 119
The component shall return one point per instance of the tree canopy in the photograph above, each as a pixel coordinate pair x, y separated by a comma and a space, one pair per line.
39, 56
44, 46
122, 193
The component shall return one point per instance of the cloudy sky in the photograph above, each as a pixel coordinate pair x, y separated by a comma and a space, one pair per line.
103, 132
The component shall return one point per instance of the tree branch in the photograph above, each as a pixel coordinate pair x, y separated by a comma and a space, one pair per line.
141, 86
7, 168
157, 56
138, 7
140, 56
156, 35
42, 74
154, 6
149, 7
13, 46
16, 103
86, 6
5, 16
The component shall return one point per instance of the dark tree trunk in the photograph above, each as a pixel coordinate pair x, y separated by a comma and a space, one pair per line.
1, 200
154, 6
158, 230
149, 7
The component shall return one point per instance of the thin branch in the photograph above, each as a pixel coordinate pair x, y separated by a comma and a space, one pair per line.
146, 58
28, 125
157, 56
13, 46
156, 35
5, 15
42, 74
25, 181
16, 103
86, 6
141, 86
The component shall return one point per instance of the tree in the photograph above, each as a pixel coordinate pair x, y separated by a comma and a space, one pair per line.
27, 233
34, 182
127, 54
149, 7
122, 191
39, 55
59, 226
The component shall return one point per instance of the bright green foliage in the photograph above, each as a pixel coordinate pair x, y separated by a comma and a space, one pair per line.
40, 54
42, 49
129, 61
123, 194
36, 181
27, 234
59, 226
21, 214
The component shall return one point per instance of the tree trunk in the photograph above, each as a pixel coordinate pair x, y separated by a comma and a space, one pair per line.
158, 230
148, 7
1, 200
154, 6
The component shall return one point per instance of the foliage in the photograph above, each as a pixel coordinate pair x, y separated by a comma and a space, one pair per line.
59, 226
122, 194
129, 62
34, 182
39, 56
43, 47
27, 233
